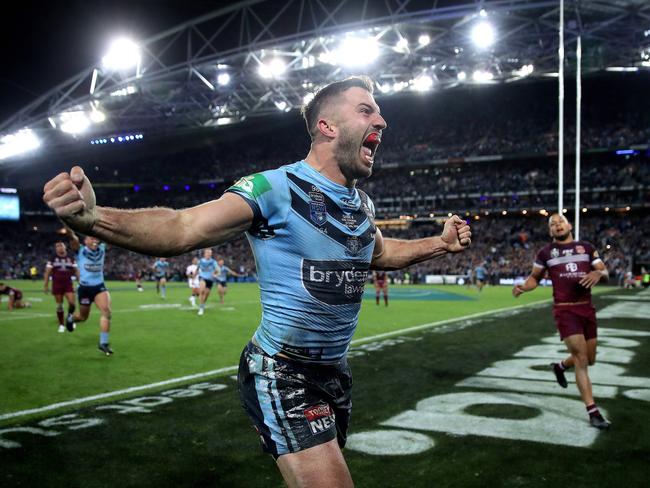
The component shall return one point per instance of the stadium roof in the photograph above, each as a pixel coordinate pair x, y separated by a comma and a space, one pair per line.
256, 57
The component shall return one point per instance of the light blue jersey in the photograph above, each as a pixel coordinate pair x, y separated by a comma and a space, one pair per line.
161, 268
313, 241
481, 273
222, 273
91, 265
207, 267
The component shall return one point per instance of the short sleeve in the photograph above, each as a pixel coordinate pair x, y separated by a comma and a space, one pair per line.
540, 259
593, 254
267, 194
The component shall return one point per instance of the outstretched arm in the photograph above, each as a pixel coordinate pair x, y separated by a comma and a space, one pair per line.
531, 282
392, 254
153, 231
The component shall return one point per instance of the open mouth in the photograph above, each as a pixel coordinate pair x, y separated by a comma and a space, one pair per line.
370, 145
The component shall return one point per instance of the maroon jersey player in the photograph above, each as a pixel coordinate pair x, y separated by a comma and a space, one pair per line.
15, 297
381, 285
61, 268
573, 267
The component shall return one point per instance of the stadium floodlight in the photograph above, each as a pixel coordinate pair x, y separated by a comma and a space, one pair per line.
402, 45
423, 83
480, 76
462, 76
74, 122
384, 87
226, 120
18, 143
307, 98
525, 70
483, 35
356, 51
399, 86
123, 54
223, 79
97, 116
424, 40
274, 68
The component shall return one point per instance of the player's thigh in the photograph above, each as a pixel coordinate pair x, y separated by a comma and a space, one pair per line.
319, 466
103, 302
69, 296
84, 311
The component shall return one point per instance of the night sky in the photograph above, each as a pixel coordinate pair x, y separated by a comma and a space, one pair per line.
45, 43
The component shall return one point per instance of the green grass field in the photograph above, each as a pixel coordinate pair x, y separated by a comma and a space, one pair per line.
447, 393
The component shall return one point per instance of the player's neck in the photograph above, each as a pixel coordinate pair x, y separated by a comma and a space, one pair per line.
325, 163
567, 240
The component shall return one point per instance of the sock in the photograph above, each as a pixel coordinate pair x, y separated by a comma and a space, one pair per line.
103, 337
386, 300
163, 291
561, 365
202, 306
377, 299
592, 410
71, 308
59, 314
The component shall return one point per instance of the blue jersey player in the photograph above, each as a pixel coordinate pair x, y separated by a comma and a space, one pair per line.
91, 289
222, 278
208, 267
315, 241
161, 271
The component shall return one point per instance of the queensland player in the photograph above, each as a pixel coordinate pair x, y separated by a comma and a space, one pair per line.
315, 241
222, 278
61, 268
15, 297
90, 260
161, 270
574, 268
380, 279
193, 281
208, 275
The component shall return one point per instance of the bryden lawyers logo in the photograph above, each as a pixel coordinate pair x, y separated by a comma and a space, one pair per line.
335, 282
320, 418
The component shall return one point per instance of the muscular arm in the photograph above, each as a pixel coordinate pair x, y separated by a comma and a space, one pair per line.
46, 284
391, 254
531, 282
75, 245
154, 231
598, 274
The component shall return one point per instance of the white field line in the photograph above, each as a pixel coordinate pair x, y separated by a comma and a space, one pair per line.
230, 369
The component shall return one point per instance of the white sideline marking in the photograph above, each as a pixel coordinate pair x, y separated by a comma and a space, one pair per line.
230, 369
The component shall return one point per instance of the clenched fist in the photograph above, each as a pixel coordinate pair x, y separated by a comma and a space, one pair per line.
456, 234
72, 198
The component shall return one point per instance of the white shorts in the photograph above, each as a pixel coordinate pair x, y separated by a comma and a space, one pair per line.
193, 283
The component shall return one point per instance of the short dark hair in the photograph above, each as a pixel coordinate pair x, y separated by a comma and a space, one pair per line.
311, 110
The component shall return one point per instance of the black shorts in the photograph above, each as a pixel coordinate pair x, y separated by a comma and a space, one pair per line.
294, 405
87, 294
208, 283
222, 283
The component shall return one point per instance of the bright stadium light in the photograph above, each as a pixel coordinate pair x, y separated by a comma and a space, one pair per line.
525, 70
20, 142
483, 35
307, 98
402, 45
384, 87
74, 122
281, 105
122, 54
97, 116
480, 76
462, 76
424, 40
274, 68
423, 83
356, 51
223, 79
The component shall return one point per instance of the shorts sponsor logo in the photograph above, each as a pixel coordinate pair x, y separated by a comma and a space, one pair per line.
335, 282
320, 418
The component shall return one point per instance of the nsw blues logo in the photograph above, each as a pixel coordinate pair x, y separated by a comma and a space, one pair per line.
317, 208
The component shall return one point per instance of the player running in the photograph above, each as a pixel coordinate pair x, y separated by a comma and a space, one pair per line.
61, 268
480, 273
15, 297
574, 267
161, 269
315, 241
90, 260
222, 278
380, 279
207, 273
193, 280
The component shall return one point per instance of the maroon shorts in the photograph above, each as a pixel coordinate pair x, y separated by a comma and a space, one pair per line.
576, 319
62, 287
18, 295
380, 283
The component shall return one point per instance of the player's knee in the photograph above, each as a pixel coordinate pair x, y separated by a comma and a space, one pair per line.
107, 314
580, 360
